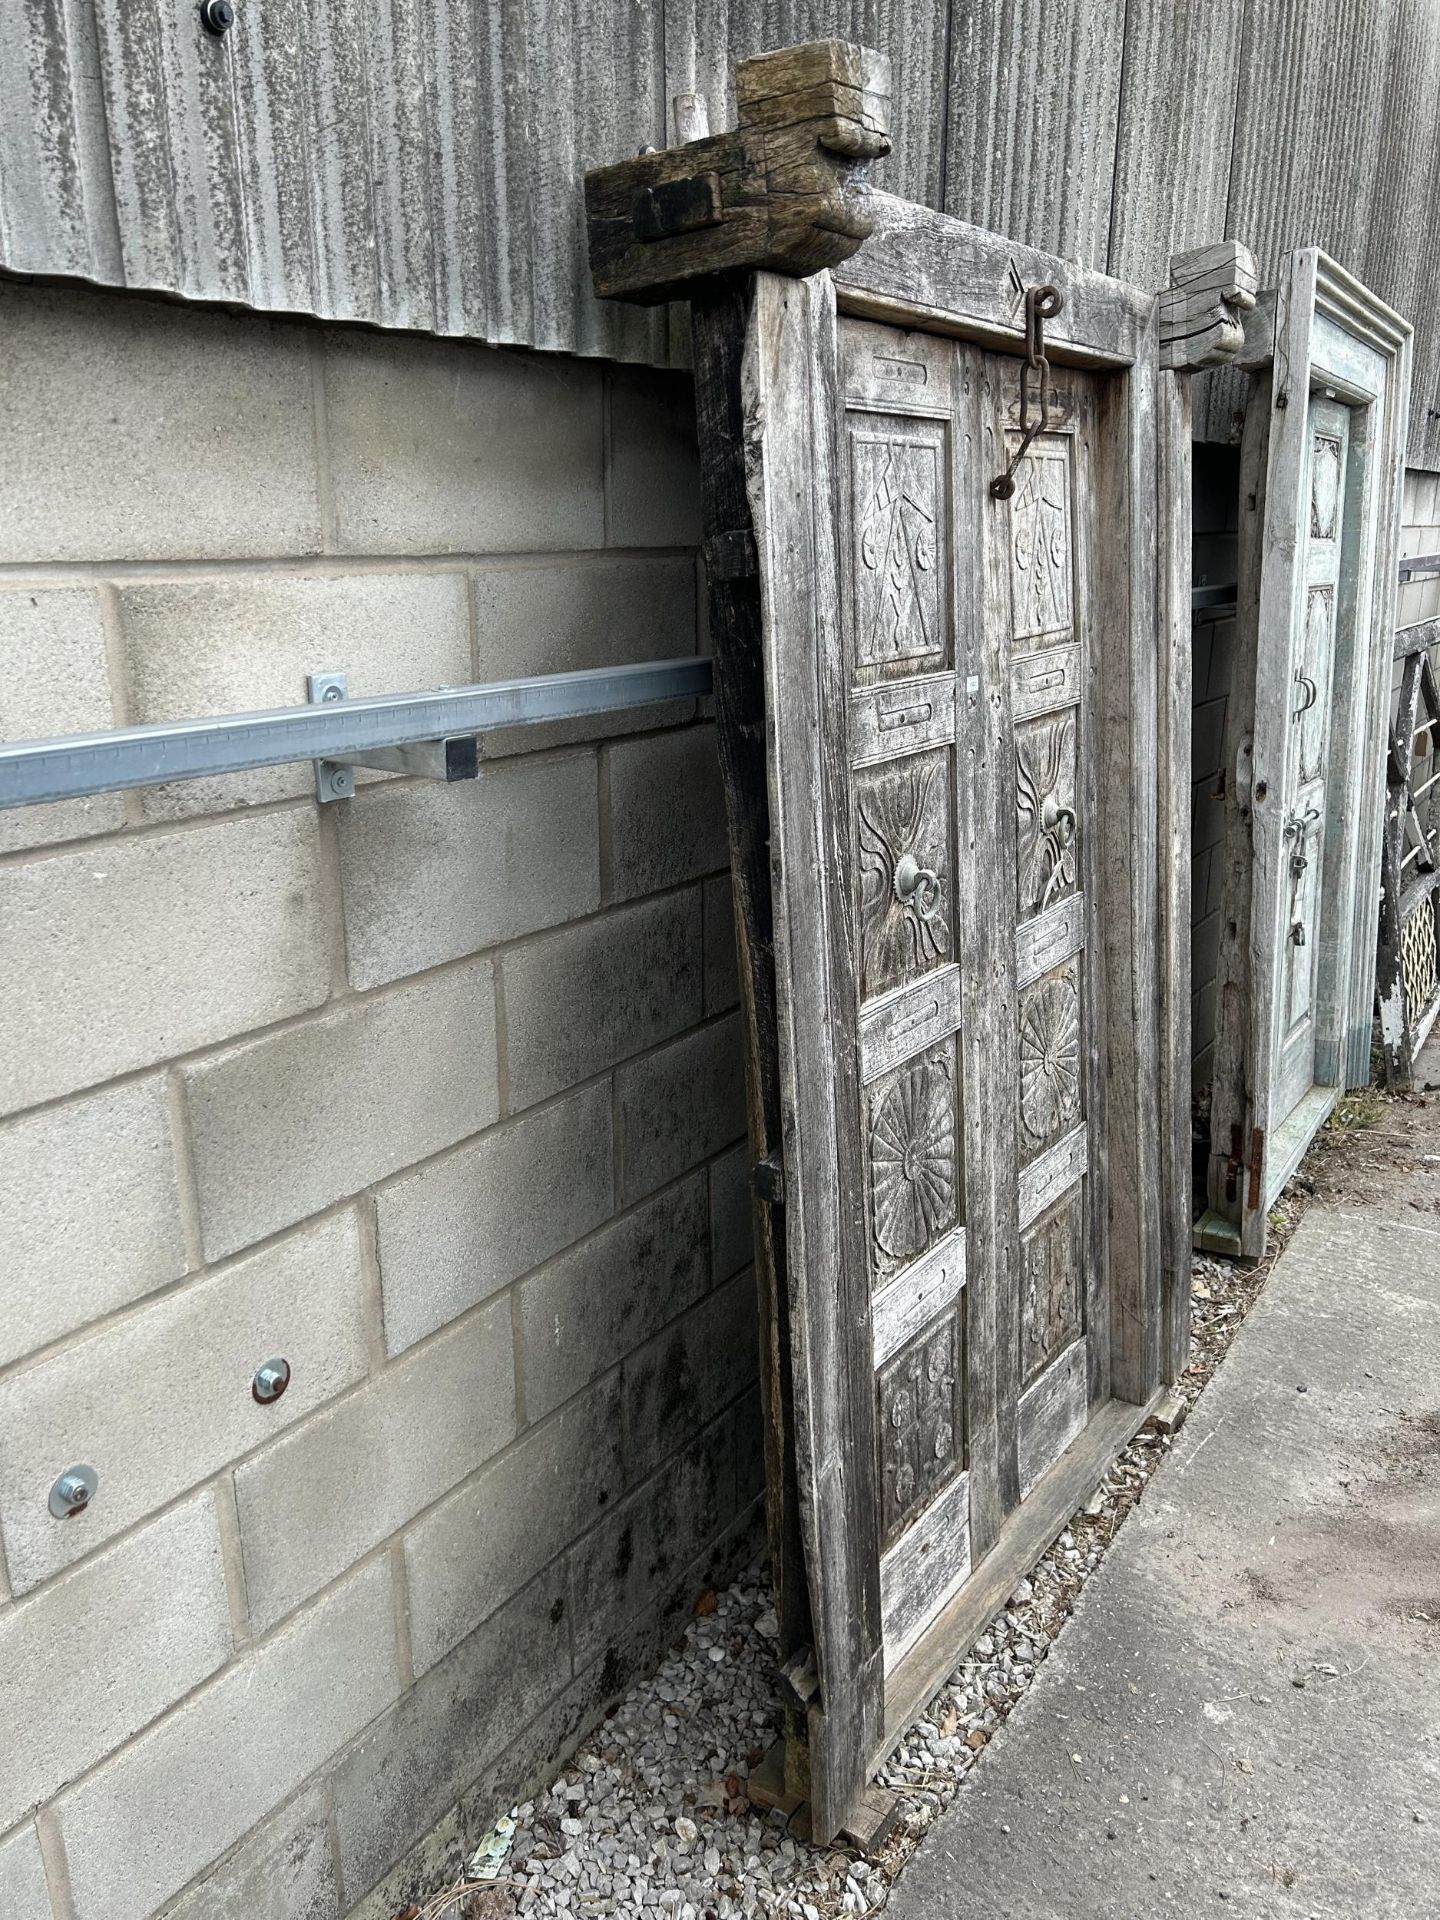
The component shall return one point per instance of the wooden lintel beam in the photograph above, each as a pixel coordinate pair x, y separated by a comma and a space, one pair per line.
785, 190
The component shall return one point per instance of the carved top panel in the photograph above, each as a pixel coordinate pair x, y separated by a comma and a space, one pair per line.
898, 494
1326, 462
1041, 559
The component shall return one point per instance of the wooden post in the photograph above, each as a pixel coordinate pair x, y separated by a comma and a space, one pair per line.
1201, 325
785, 191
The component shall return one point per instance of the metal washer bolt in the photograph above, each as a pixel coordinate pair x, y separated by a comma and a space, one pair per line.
217, 16
73, 1492
270, 1381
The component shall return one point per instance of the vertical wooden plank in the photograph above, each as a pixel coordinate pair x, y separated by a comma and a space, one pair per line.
791, 425
720, 321
1032, 122
1129, 916
990, 1067
1176, 126
1173, 532
1230, 1114
1377, 615
1097, 657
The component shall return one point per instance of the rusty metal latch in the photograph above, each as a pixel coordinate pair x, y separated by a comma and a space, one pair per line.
1041, 304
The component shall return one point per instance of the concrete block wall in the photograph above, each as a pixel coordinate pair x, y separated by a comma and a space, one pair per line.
435, 1093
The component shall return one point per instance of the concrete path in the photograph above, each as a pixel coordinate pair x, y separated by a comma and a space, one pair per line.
1244, 1716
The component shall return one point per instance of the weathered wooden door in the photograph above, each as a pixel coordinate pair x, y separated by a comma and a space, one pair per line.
1306, 728
953, 719
969, 774
1326, 519
963, 779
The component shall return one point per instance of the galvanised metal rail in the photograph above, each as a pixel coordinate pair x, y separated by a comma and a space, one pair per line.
405, 732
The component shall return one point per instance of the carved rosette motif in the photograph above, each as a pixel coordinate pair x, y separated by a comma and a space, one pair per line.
1040, 543
1051, 1292
920, 1432
903, 815
1049, 1058
898, 586
1046, 841
914, 1170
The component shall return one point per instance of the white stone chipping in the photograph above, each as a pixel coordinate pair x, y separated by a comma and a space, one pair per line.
652, 1816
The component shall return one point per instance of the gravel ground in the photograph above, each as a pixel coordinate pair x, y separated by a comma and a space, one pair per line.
652, 1816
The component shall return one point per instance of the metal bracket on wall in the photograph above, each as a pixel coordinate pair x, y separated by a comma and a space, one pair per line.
456, 757
400, 732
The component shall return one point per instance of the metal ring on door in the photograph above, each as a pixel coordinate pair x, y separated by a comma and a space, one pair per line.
1308, 683
917, 886
1058, 820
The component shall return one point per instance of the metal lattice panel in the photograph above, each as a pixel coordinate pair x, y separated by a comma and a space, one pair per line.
1407, 986
1418, 961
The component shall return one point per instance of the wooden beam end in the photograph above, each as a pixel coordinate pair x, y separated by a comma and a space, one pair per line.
786, 190
1202, 311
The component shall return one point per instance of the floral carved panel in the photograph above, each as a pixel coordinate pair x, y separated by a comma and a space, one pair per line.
919, 1404
903, 822
1051, 1287
1326, 461
1040, 558
1049, 1058
1046, 847
898, 563
914, 1155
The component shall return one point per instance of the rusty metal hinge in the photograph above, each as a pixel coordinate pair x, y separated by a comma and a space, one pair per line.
1257, 1158
1041, 304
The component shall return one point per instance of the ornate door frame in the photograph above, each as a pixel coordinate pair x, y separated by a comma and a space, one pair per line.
1320, 337
729, 221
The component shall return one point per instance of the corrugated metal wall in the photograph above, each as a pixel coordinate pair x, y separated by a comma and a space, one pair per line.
417, 163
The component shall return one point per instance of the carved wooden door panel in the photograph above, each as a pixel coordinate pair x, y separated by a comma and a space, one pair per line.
965, 631
1324, 516
1040, 658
